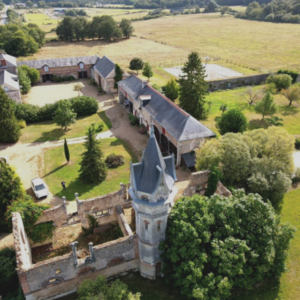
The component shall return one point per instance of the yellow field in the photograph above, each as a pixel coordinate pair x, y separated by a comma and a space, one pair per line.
111, 12
42, 20
258, 45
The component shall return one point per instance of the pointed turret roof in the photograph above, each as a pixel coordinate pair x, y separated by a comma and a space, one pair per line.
153, 168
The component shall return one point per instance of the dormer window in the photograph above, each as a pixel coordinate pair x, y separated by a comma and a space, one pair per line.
6, 89
81, 65
46, 68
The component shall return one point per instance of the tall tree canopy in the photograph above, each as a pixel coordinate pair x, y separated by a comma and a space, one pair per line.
259, 160
216, 244
192, 87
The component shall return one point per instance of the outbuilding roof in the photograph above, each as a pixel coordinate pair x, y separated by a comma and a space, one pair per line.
104, 66
176, 121
8, 79
11, 61
60, 62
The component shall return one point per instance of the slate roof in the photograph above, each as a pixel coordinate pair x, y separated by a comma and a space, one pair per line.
176, 121
189, 159
153, 168
7, 78
11, 61
60, 62
104, 66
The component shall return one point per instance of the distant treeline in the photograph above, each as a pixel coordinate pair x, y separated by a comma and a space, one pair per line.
282, 11
104, 27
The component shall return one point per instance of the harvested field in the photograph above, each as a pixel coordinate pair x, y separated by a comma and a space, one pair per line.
43, 21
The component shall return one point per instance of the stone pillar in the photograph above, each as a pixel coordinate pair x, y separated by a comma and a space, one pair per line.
92, 257
74, 248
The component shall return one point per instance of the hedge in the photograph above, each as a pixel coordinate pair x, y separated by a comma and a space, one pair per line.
82, 106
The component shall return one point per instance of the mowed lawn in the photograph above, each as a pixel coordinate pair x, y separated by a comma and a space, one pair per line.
259, 45
42, 20
49, 131
57, 170
234, 99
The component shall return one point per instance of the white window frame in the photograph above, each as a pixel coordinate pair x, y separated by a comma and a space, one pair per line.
81, 65
46, 68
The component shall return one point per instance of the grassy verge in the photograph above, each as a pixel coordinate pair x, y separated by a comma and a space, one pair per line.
49, 131
234, 99
56, 170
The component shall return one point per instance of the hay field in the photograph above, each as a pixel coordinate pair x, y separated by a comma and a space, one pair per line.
257, 45
42, 20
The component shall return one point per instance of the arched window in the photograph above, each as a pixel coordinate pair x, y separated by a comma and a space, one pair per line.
81, 65
46, 68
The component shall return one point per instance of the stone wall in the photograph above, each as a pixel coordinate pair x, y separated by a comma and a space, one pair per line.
231, 83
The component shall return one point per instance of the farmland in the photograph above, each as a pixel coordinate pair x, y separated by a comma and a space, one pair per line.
43, 21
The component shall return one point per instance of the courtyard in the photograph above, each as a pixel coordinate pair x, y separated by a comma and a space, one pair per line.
50, 92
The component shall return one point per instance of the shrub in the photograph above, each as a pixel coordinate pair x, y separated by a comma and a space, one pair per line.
92, 82
133, 120
56, 78
232, 121
281, 81
22, 124
114, 161
24, 81
297, 143
271, 87
41, 232
292, 73
84, 106
100, 127
213, 180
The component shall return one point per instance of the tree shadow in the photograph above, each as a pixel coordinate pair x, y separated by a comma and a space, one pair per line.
105, 119
258, 123
288, 110
53, 135
55, 170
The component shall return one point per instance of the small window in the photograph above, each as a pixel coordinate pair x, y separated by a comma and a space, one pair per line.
146, 225
159, 225
81, 65
6, 89
46, 68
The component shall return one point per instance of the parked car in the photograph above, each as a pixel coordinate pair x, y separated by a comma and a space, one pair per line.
39, 188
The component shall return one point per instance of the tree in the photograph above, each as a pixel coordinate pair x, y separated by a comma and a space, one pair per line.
99, 289
147, 71
77, 87
232, 121
24, 80
281, 81
108, 29
118, 75
10, 189
136, 64
64, 115
9, 126
216, 244
254, 158
29, 4
192, 87
32, 73
251, 95
93, 168
65, 29
267, 106
126, 27
67, 152
171, 89
224, 10
80, 28
292, 94
212, 6
223, 108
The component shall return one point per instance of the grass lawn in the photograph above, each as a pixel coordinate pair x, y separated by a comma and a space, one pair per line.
56, 170
234, 99
42, 20
49, 131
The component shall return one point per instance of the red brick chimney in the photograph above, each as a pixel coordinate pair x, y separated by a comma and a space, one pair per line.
3, 62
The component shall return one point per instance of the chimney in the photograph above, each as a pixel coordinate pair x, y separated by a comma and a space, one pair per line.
3, 62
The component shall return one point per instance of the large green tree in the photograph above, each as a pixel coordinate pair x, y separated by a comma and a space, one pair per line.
259, 160
65, 29
214, 245
24, 80
192, 87
147, 71
92, 166
64, 115
9, 126
126, 27
267, 106
118, 75
136, 64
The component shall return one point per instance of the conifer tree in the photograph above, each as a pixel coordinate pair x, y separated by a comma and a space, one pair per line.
147, 71
192, 87
67, 152
267, 106
118, 75
93, 168
9, 126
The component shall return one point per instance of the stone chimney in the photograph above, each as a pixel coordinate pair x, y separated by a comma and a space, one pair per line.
3, 62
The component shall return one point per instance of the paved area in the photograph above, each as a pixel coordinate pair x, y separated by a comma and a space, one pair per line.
212, 72
50, 92
297, 159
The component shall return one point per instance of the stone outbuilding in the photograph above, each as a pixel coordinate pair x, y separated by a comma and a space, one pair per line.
176, 131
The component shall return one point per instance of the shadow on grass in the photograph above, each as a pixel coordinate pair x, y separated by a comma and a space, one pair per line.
258, 123
127, 147
105, 119
55, 170
288, 110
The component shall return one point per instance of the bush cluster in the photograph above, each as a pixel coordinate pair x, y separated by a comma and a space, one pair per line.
82, 106
56, 78
281, 81
297, 143
114, 161
133, 120
292, 73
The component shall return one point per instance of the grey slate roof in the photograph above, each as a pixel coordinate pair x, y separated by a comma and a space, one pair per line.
149, 172
60, 62
176, 121
189, 159
104, 66
7, 78
11, 61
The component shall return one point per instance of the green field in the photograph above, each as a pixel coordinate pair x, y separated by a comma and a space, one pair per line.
234, 99
42, 20
49, 131
56, 170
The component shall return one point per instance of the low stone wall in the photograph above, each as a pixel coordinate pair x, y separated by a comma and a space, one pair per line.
122, 222
231, 83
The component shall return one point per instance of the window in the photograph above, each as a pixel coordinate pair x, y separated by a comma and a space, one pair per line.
159, 225
46, 68
6, 89
81, 65
146, 225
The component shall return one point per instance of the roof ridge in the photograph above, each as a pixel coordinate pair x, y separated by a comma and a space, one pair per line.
57, 58
184, 127
108, 59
